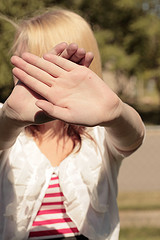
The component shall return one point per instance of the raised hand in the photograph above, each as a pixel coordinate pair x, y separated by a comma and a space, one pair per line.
70, 92
73, 53
21, 103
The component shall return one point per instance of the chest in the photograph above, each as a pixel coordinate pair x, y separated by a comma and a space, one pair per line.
56, 150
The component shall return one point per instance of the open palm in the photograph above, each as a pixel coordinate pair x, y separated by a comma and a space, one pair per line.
70, 92
21, 103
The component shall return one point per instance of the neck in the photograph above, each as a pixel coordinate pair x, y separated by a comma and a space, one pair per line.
54, 142
52, 129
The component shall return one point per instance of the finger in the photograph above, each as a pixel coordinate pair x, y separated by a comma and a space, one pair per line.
53, 111
32, 70
69, 51
62, 63
41, 63
78, 56
59, 48
32, 83
87, 60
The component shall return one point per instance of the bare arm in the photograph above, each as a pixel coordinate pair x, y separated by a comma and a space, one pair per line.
20, 109
127, 129
76, 95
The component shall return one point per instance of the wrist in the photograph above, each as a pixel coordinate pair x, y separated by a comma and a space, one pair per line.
113, 117
127, 129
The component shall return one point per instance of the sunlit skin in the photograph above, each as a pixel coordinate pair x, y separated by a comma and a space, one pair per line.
53, 88
61, 113
74, 94
60, 145
72, 52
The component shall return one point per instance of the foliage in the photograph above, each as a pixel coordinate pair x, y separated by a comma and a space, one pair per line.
144, 233
127, 31
139, 201
12, 9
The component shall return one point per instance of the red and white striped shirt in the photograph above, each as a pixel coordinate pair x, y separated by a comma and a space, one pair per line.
52, 220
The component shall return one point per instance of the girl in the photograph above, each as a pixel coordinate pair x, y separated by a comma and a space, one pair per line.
63, 135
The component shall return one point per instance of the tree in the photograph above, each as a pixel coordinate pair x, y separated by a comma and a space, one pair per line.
12, 10
127, 32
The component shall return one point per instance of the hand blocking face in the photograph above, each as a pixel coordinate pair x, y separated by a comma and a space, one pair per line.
69, 92
21, 104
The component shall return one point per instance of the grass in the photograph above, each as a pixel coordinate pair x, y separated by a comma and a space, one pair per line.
139, 201
140, 234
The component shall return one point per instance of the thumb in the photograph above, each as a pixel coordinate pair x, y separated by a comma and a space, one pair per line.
53, 111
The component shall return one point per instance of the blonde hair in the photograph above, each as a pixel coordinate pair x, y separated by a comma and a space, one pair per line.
41, 33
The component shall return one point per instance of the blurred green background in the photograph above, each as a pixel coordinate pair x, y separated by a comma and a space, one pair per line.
128, 35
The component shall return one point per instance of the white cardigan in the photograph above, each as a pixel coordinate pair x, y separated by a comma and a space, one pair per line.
88, 180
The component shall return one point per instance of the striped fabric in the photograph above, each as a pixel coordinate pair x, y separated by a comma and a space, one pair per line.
52, 221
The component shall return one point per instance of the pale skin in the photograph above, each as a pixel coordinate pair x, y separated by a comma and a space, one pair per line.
10, 126
68, 92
